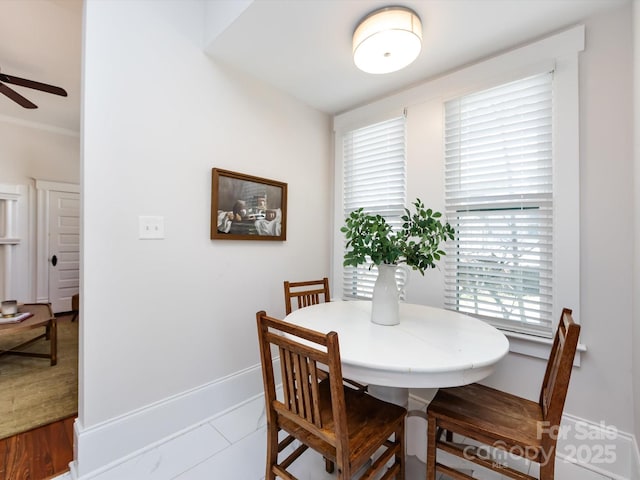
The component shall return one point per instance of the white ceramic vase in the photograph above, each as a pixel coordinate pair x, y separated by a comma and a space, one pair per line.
384, 304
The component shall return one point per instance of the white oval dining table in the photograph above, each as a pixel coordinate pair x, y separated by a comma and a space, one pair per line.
430, 347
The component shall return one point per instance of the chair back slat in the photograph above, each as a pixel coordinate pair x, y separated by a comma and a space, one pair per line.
305, 294
300, 385
309, 298
288, 385
558, 373
299, 368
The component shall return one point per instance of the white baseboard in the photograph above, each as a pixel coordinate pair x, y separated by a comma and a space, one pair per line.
103, 446
599, 447
594, 446
635, 463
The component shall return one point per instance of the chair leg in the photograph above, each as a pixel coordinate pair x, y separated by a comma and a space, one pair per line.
547, 468
431, 448
329, 466
75, 306
272, 452
402, 455
343, 471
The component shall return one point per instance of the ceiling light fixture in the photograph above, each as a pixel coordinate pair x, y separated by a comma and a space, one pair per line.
387, 40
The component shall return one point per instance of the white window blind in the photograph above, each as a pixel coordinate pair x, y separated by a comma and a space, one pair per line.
375, 180
499, 199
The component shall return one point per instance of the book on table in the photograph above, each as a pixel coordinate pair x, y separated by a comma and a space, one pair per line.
18, 317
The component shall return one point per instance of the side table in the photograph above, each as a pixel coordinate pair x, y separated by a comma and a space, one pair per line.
42, 318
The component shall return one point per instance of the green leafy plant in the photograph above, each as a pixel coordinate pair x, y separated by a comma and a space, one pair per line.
371, 239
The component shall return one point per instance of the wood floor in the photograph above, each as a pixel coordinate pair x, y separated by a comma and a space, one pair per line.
38, 454
41, 453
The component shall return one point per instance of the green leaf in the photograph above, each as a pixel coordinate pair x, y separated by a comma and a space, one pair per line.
371, 239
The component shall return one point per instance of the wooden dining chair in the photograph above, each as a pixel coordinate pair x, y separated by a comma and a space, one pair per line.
503, 422
344, 425
310, 292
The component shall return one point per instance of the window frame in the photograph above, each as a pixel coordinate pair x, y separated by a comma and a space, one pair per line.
522, 202
368, 280
558, 52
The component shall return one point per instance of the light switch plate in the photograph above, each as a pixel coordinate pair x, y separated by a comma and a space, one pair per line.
151, 228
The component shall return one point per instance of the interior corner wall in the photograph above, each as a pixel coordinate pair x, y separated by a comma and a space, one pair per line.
636, 210
219, 15
601, 389
165, 317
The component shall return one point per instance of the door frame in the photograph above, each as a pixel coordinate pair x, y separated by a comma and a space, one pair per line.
43, 190
15, 244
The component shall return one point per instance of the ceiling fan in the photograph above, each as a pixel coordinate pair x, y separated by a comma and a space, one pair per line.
23, 82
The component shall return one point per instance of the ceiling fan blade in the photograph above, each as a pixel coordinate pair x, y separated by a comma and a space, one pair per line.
16, 97
23, 82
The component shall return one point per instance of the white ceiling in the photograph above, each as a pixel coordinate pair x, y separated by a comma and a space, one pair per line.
41, 40
302, 47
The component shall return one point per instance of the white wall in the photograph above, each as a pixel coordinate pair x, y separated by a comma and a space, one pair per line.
28, 152
636, 208
601, 390
165, 316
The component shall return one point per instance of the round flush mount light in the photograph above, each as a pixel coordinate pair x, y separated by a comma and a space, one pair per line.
387, 40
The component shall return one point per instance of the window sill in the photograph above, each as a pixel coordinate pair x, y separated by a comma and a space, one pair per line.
537, 347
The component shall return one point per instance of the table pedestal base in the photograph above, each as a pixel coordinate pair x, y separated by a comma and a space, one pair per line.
397, 395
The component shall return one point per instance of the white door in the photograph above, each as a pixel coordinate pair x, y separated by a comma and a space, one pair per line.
64, 249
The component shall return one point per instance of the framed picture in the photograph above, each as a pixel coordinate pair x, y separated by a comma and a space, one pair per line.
244, 207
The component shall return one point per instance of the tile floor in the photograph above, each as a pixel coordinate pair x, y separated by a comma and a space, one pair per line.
232, 447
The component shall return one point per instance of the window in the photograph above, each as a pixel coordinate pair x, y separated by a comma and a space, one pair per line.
425, 174
374, 178
499, 198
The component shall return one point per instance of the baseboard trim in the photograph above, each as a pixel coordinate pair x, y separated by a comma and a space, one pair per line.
593, 446
598, 447
106, 445
635, 465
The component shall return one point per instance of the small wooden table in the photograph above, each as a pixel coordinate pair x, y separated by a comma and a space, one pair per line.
42, 318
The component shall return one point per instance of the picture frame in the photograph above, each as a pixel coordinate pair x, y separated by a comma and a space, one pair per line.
246, 207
